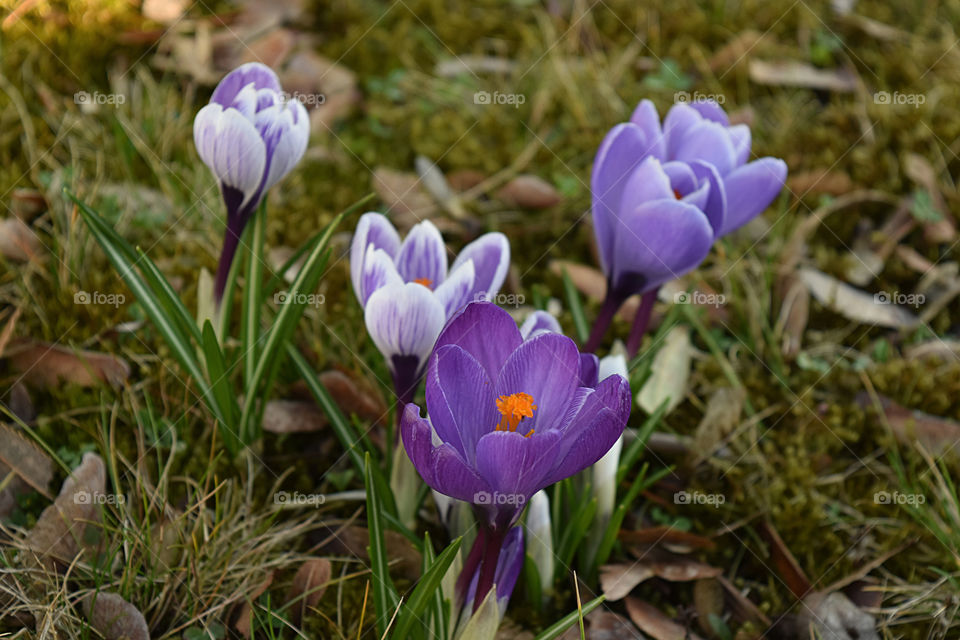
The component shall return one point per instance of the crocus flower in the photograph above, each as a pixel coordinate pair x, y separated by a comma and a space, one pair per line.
250, 137
662, 195
408, 293
511, 416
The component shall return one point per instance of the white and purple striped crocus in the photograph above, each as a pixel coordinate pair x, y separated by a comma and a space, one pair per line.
250, 137
511, 416
408, 293
662, 195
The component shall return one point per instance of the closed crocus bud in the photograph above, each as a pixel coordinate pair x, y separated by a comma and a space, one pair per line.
250, 137
540, 539
408, 292
605, 470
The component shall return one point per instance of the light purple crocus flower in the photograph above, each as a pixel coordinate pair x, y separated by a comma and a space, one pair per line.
512, 416
408, 292
250, 137
662, 195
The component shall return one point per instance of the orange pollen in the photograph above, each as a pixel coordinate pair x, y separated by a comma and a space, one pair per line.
427, 282
513, 409
676, 194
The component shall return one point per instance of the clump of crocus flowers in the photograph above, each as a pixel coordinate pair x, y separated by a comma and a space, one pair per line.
250, 136
508, 417
662, 195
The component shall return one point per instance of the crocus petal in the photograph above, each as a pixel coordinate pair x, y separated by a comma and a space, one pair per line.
372, 229
716, 202
538, 322
589, 370
680, 119
404, 320
460, 397
707, 141
285, 129
547, 367
596, 428
741, 138
646, 117
657, 242
229, 144
508, 567
490, 254
648, 182
455, 292
620, 153
423, 256
750, 189
486, 332
682, 178
441, 467
712, 111
378, 271
255, 73
514, 467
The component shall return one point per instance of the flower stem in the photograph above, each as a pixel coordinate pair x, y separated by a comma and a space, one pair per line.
488, 566
640, 322
610, 305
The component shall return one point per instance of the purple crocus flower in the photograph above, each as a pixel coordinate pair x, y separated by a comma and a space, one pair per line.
512, 416
408, 293
661, 196
250, 137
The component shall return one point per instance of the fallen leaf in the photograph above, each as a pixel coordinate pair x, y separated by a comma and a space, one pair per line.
736, 50
833, 617
794, 313
351, 399
27, 204
20, 404
675, 539
529, 192
822, 181
245, 617
58, 535
270, 49
403, 195
655, 623
920, 171
936, 435
44, 364
708, 601
30, 467
743, 607
855, 304
18, 242
435, 183
719, 420
606, 625
592, 283
329, 89
464, 179
787, 566
404, 557
670, 372
308, 586
292, 416
799, 74
115, 618
618, 580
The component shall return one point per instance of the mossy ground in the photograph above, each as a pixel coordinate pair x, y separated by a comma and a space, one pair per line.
812, 464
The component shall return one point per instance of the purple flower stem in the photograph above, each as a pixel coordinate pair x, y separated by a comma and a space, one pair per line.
610, 305
470, 566
640, 322
488, 566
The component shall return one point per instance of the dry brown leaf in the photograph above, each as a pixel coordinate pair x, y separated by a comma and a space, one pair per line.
787, 566
270, 49
307, 588
736, 50
592, 283
403, 195
245, 617
920, 171
27, 204
464, 179
30, 466
854, 304
352, 400
618, 580
292, 416
529, 192
312, 76
58, 535
794, 313
18, 242
655, 623
44, 364
719, 420
743, 608
670, 373
936, 435
606, 625
832, 616
115, 618
822, 181
404, 557
674, 539
791, 73
708, 601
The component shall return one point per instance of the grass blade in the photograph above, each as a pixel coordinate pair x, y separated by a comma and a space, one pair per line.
384, 593
220, 386
426, 588
576, 308
556, 629
253, 299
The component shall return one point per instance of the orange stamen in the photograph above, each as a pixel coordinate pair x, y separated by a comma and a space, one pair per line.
513, 409
676, 194
427, 282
